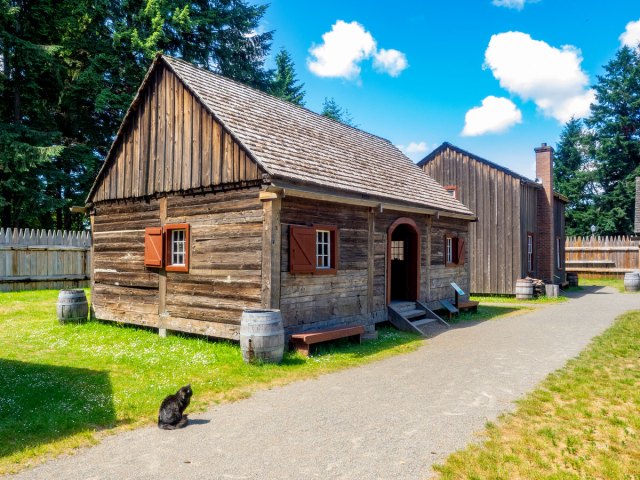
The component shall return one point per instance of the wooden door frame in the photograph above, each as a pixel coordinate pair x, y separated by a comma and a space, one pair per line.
415, 251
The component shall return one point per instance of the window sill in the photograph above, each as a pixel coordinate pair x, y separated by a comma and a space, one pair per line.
177, 268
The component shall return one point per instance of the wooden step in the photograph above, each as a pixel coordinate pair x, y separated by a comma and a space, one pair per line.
413, 313
426, 321
403, 306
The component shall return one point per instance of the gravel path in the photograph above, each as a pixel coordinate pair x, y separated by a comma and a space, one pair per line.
390, 419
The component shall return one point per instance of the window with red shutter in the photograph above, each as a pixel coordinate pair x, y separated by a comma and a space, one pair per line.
153, 247
453, 250
313, 249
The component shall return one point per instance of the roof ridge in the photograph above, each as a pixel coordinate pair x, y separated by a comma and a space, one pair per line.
272, 97
445, 144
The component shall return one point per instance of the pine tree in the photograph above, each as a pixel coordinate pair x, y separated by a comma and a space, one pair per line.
332, 110
284, 83
615, 123
70, 69
574, 177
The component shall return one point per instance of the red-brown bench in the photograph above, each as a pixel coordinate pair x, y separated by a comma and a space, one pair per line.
302, 342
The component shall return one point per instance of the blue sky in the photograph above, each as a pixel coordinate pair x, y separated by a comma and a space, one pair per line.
411, 71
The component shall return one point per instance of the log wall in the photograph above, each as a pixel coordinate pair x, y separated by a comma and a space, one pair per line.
318, 301
357, 292
224, 272
441, 275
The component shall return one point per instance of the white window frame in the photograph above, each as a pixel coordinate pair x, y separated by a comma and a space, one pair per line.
323, 249
178, 253
449, 250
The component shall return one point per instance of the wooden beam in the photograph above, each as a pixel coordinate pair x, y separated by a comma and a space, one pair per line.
370, 259
271, 252
162, 278
327, 196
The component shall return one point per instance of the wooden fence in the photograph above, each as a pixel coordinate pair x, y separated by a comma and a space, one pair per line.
40, 259
602, 256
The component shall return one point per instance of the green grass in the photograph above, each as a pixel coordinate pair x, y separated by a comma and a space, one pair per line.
582, 422
487, 312
64, 386
604, 282
512, 299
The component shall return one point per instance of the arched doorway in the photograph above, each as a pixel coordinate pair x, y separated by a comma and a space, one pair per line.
403, 260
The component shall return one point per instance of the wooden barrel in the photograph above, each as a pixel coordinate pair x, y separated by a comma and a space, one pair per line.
631, 282
261, 336
572, 278
72, 306
524, 289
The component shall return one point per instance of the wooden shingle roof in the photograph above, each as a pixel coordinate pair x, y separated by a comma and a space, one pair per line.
295, 144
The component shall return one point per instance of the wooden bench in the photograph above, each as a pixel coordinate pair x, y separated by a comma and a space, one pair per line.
302, 342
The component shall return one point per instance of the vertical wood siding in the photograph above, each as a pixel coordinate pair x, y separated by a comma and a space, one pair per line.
495, 243
170, 143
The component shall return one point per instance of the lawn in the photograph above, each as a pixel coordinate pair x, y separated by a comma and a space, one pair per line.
64, 386
604, 282
512, 299
583, 421
487, 312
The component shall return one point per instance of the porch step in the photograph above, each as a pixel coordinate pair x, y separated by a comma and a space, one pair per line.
426, 321
410, 316
413, 313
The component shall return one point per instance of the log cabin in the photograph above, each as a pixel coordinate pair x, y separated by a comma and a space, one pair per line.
216, 197
520, 230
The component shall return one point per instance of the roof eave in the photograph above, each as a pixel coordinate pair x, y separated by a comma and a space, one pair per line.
294, 188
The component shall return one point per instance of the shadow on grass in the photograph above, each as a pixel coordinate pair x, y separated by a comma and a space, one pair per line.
43, 403
388, 337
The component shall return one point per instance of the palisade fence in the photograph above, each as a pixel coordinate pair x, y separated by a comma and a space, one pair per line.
602, 256
41, 259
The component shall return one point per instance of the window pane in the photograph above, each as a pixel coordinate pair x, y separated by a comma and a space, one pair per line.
323, 249
178, 247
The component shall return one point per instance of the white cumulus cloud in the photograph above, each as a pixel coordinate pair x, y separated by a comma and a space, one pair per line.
516, 4
390, 61
534, 70
345, 47
631, 35
495, 115
415, 150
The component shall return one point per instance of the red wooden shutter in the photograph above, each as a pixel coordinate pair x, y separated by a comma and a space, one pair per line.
153, 247
302, 249
460, 251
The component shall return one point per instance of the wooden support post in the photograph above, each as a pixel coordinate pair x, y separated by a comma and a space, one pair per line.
162, 279
92, 313
370, 260
271, 249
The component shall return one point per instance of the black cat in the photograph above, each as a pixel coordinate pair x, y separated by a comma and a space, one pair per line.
170, 416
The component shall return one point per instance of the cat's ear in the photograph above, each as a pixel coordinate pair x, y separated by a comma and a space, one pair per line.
189, 386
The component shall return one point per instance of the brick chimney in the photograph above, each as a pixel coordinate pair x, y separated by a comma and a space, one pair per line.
545, 242
637, 215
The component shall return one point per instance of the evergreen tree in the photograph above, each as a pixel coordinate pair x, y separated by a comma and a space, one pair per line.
70, 69
332, 110
284, 83
574, 177
615, 123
